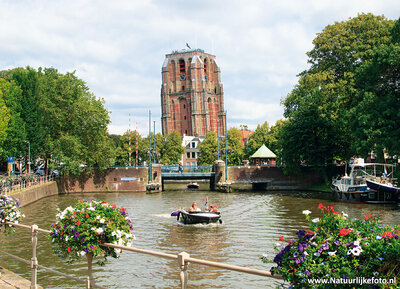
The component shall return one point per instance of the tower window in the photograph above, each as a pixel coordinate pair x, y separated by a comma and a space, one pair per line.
185, 131
184, 117
215, 90
183, 88
182, 66
188, 155
184, 106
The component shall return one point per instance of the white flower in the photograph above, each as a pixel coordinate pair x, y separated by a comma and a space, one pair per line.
98, 217
332, 253
66, 239
99, 231
356, 251
316, 220
349, 252
344, 215
357, 243
102, 221
306, 212
317, 254
117, 251
83, 253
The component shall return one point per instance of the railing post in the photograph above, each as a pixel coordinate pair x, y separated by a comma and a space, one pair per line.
89, 279
34, 259
183, 266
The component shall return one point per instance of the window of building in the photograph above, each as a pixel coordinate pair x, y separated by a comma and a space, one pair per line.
185, 131
215, 90
182, 66
183, 88
184, 117
193, 144
188, 155
184, 106
193, 155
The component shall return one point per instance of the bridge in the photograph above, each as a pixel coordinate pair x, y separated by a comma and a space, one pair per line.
188, 173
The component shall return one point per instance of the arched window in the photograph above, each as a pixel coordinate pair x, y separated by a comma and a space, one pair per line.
182, 66
205, 66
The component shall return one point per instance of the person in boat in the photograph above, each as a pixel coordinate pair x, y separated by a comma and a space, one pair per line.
213, 209
176, 212
194, 208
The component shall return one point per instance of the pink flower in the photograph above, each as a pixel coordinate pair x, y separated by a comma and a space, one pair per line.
344, 232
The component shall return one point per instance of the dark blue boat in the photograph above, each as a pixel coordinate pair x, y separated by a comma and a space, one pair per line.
387, 192
198, 217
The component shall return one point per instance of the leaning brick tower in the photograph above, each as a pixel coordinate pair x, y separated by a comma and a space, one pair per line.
192, 98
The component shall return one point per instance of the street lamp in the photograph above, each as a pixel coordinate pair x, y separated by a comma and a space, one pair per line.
29, 156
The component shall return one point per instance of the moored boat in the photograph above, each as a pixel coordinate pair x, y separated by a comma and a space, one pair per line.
199, 217
387, 191
193, 186
353, 188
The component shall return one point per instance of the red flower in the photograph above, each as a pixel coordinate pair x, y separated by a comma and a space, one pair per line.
370, 217
113, 206
81, 199
309, 232
123, 210
281, 238
387, 234
344, 232
79, 222
69, 249
62, 232
104, 202
94, 248
397, 231
87, 216
320, 206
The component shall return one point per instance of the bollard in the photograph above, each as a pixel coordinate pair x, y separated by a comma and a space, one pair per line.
183, 275
34, 259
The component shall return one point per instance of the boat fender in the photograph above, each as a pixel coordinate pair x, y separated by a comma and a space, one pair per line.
220, 221
177, 217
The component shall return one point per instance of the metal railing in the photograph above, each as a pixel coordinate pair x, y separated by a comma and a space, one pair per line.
183, 259
11, 185
186, 169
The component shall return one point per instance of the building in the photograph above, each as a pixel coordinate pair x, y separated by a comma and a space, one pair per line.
192, 98
263, 156
191, 143
245, 134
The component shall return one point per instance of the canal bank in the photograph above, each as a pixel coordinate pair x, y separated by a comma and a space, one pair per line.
9, 280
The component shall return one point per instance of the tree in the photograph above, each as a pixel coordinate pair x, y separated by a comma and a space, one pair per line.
208, 150
172, 150
257, 139
320, 107
15, 129
4, 119
235, 147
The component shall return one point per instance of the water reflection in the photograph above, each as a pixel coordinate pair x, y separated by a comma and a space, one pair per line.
252, 223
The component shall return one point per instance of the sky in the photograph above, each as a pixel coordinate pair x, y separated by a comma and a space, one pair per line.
118, 47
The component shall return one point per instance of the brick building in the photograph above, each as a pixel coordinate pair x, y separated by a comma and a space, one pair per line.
192, 98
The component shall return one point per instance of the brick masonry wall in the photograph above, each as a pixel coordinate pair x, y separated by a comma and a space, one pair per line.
306, 178
113, 179
35, 193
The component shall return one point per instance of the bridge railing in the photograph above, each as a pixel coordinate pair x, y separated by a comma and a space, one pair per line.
183, 259
186, 169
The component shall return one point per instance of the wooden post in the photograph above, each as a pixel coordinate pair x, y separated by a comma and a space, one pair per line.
183, 266
34, 259
89, 281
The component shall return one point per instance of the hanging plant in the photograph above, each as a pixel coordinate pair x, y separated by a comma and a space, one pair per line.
337, 250
80, 230
9, 211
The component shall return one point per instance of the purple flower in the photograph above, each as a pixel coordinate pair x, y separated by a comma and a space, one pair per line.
301, 233
337, 242
307, 273
76, 234
86, 249
82, 240
347, 244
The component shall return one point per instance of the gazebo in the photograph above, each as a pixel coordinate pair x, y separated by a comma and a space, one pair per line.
263, 156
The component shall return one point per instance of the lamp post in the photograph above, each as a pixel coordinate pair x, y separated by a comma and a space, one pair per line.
29, 156
218, 139
149, 145
226, 149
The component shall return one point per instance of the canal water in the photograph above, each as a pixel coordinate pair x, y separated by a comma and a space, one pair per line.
252, 224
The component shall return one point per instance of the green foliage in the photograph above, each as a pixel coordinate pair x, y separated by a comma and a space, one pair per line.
80, 230
337, 247
4, 119
15, 130
257, 139
208, 150
235, 147
172, 150
346, 102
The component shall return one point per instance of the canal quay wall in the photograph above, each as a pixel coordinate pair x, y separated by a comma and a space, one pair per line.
120, 179
37, 192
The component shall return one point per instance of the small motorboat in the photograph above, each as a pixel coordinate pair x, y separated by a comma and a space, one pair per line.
199, 217
193, 186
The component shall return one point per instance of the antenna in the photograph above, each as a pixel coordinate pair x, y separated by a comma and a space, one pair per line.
130, 162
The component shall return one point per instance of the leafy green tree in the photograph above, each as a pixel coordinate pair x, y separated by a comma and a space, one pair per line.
4, 119
15, 130
257, 139
171, 152
235, 147
208, 150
